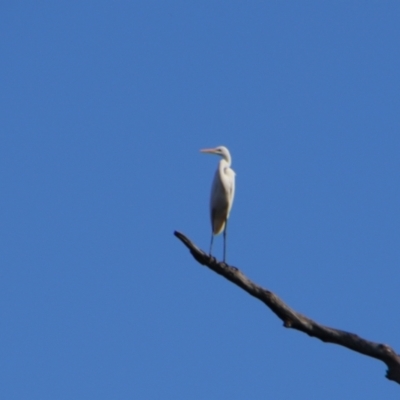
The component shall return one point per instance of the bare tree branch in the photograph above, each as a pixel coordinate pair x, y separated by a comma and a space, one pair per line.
295, 320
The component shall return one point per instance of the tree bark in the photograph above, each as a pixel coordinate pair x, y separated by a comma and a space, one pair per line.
293, 319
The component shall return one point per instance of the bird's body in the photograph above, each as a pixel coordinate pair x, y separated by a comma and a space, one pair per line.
222, 193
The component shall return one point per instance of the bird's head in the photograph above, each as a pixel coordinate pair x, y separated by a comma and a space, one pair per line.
221, 151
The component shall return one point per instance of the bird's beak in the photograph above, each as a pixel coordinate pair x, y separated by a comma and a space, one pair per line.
209, 151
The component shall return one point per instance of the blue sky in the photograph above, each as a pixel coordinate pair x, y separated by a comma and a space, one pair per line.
104, 107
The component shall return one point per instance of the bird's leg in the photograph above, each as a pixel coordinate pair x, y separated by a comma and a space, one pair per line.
226, 225
212, 238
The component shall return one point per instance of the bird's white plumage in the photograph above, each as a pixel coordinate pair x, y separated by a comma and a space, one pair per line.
222, 191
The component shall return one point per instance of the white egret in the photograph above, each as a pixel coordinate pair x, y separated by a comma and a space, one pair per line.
222, 193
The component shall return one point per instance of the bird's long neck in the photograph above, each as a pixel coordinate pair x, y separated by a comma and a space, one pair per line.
223, 166
226, 160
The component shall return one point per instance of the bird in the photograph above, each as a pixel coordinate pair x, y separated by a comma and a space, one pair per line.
222, 193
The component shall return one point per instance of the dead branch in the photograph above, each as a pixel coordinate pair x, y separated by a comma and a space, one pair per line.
295, 320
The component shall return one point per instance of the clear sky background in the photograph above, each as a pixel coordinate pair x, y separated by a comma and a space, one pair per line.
104, 107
